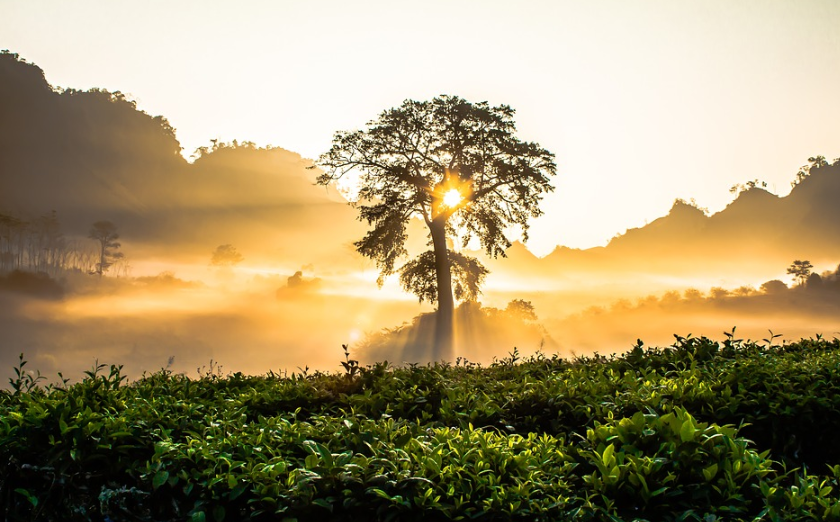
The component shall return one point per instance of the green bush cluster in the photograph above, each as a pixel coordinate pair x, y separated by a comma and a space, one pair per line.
700, 430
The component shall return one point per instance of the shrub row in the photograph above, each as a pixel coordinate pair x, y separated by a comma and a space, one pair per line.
655, 434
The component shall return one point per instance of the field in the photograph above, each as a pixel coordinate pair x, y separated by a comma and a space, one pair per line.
701, 430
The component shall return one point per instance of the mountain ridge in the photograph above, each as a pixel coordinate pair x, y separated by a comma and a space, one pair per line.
92, 155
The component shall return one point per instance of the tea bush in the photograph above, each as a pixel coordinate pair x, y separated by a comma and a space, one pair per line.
700, 430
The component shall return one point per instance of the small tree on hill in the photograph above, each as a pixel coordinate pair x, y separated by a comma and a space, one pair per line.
800, 270
226, 256
106, 234
522, 310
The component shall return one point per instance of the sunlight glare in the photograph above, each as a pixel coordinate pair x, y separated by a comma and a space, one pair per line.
452, 198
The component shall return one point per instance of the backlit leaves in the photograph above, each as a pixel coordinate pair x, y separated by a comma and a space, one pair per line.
419, 276
410, 156
657, 434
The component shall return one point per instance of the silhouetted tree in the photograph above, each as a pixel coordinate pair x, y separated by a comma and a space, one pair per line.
39, 245
522, 310
296, 280
11, 242
419, 276
106, 234
813, 282
717, 292
749, 185
815, 162
773, 287
800, 270
818, 162
458, 167
226, 256
47, 251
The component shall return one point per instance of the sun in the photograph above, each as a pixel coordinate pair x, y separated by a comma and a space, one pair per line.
452, 198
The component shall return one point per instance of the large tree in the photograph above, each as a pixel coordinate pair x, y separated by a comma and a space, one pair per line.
457, 166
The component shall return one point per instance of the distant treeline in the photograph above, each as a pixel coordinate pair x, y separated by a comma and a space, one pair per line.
39, 245
813, 293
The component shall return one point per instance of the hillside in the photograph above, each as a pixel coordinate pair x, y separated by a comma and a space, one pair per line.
755, 236
92, 155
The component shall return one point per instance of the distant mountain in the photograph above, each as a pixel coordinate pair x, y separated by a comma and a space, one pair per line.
757, 224
92, 155
71, 149
757, 235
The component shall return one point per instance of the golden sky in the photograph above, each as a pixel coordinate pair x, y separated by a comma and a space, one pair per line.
642, 102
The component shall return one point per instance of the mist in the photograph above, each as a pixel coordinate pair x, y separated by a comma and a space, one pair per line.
296, 291
247, 324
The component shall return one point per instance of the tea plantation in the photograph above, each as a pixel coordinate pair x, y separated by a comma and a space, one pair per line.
701, 430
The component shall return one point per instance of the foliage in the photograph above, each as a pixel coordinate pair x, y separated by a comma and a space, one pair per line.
800, 270
38, 245
105, 233
749, 185
418, 276
522, 309
38, 284
700, 430
226, 256
460, 168
814, 162
411, 156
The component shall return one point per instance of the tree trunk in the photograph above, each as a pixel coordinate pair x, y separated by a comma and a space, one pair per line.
443, 349
101, 258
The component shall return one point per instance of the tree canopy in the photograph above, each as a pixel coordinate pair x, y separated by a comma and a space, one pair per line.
800, 270
106, 234
457, 166
226, 256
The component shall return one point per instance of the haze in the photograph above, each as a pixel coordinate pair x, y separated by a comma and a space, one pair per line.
620, 92
643, 104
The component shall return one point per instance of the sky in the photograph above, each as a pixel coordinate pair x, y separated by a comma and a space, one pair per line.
642, 102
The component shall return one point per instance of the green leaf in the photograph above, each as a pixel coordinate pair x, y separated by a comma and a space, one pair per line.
659, 491
323, 503
710, 472
379, 493
687, 430
402, 440
219, 513
30, 497
311, 461
238, 490
639, 420
198, 516
325, 455
645, 488
160, 478
607, 457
